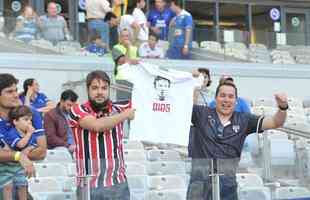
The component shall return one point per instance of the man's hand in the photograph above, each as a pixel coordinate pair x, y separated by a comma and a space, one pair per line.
133, 61
130, 113
281, 100
185, 50
195, 73
30, 130
71, 148
27, 165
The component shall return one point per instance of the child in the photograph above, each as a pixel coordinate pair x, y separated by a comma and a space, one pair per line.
21, 137
96, 45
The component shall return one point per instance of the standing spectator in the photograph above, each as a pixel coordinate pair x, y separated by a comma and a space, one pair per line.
182, 23
31, 96
96, 45
124, 22
202, 94
27, 25
140, 18
219, 136
53, 26
119, 7
241, 104
96, 11
98, 131
56, 124
159, 19
151, 49
21, 137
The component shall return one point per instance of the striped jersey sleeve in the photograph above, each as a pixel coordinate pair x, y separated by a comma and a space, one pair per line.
77, 113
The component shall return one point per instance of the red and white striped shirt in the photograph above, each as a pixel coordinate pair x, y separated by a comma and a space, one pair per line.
99, 154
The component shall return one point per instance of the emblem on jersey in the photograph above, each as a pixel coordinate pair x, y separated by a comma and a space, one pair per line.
162, 87
236, 128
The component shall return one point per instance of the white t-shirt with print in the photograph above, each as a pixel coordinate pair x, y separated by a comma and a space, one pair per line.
163, 100
145, 51
125, 23
140, 18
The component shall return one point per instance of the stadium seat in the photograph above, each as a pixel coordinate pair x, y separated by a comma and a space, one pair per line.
137, 195
132, 144
71, 167
50, 170
268, 102
163, 155
69, 184
249, 180
135, 156
137, 184
166, 182
54, 196
166, 195
58, 156
291, 193
254, 193
44, 185
135, 168
246, 160
280, 156
165, 168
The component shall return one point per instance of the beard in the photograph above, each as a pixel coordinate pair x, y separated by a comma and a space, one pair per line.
97, 107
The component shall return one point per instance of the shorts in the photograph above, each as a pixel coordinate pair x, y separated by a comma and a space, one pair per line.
8, 171
20, 179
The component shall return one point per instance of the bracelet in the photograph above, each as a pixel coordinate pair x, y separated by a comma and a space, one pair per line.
283, 108
17, 156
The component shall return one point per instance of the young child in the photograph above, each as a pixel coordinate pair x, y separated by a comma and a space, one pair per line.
21, 137
96, 45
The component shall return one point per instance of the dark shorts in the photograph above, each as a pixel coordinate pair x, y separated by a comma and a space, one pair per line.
116, 192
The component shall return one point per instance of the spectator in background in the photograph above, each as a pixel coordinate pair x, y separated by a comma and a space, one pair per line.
159, 19
96, 45
202, 94
124, 22
11, 162
140, 18
96, 11
119, 7
181, 41
56, 124
27, 25
31, 96
21, 137
53, 26
151, 49
98, 129
241, 104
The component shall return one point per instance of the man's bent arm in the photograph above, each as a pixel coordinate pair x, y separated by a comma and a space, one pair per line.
39, 153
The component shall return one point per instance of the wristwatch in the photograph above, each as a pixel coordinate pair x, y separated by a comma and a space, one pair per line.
283, 108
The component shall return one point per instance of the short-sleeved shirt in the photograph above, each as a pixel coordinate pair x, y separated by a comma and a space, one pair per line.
182, 22
93, 48
161, 20
29, 29
53, 28
39, 102
13, 136
125, 23
213, 140
99, 153
241, 106
140, 18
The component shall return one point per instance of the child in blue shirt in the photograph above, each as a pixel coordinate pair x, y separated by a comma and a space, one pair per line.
22, 136
96, 45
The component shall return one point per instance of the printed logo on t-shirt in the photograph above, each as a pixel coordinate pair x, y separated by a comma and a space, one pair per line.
236, 128
161, 100
160, 23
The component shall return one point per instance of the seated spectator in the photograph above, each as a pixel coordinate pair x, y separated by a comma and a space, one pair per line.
124, 22
181, 40
140, 18
21, 137
53, 26
202, 94
96, 45
33, 98
151, 49
241, 104
27, 25
58, 132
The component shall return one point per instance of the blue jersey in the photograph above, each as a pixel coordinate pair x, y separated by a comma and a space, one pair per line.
182, 22
241, 106
39, 102
93, 48
12, 137
161, 20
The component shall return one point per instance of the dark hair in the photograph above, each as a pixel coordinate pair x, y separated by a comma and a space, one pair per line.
18, 112
177, 3
109, 16
158, 78
69, 95
226, 84
98, 74
7, 80
154, 35
28, 82
206, 71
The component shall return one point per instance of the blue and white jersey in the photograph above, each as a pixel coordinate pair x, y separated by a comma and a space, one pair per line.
181, 22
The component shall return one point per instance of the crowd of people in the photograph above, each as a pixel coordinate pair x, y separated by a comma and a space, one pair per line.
165, 21
93, 133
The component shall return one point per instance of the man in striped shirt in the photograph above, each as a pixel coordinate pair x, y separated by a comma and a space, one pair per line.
98, 132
